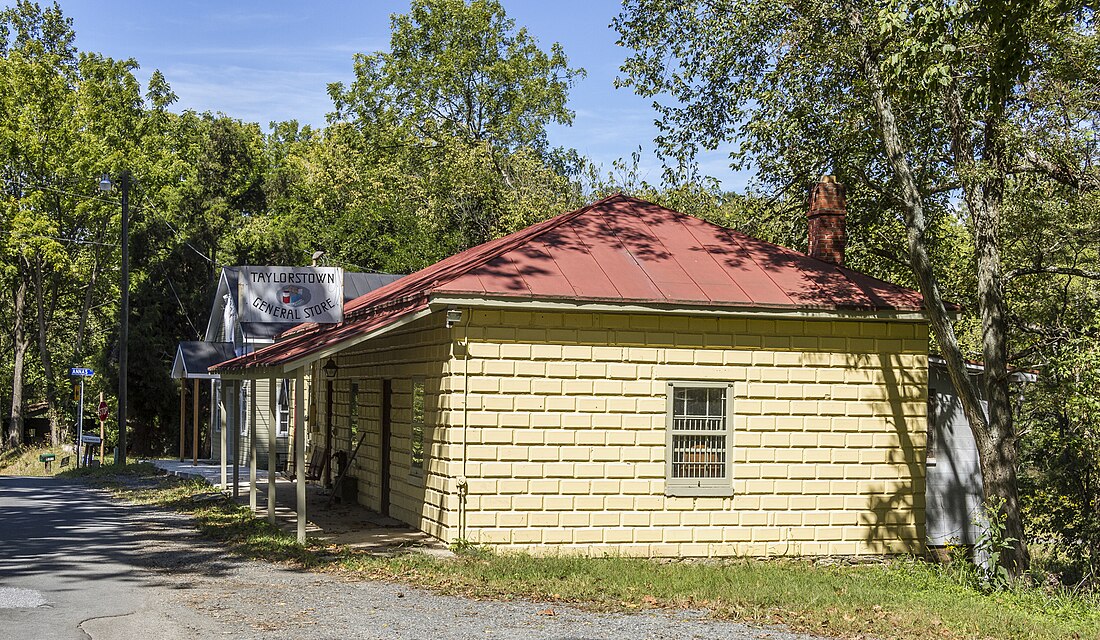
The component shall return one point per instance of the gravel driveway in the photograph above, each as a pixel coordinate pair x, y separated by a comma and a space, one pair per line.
184, 587
202, 593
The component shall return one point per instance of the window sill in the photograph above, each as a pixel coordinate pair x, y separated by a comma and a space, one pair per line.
699, 491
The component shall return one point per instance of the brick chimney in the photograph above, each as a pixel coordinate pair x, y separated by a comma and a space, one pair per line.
826, 216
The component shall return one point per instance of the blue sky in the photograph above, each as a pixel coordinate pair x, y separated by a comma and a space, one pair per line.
265, 61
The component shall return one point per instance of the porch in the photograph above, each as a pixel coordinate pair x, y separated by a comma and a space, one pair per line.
346, 524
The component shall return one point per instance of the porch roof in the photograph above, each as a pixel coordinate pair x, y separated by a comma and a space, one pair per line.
194, 358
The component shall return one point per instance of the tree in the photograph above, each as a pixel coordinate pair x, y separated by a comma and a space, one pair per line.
199, 182
463, 70
65, 118
39, 68
439, 144
920, 104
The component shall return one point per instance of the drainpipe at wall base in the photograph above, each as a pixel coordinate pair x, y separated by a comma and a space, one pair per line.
462, 482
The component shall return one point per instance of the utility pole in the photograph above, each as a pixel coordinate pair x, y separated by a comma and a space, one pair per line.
124, 332
123, 353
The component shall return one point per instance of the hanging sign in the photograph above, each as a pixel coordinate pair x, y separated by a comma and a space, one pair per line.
291, 294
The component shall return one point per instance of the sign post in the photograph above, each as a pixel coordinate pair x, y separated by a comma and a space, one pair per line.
102, 425
80, 372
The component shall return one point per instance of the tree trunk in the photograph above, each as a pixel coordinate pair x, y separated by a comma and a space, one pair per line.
997, 451
44, 354
993, 435
20, 344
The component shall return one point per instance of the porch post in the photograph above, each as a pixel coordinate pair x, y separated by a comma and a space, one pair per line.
300, 451
252, 449
195, 426
223, 415
183, 418
237, 388
272, 446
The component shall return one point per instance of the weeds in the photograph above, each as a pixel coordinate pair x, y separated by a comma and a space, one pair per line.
993, 541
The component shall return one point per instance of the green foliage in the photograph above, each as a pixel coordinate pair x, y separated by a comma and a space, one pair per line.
64, 119
964, 132
460, 70
438, 145
1062, 478
993, 541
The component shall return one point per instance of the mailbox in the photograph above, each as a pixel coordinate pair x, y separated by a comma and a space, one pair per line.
46, 458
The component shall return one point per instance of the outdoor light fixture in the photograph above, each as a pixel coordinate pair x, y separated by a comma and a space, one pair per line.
330, 369
454, 316
105, 183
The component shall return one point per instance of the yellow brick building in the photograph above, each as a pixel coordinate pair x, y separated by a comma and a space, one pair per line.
624, 379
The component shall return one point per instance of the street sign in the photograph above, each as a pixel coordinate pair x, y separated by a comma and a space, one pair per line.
102, 410
81, 372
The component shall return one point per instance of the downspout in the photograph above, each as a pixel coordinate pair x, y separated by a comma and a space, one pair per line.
463, 483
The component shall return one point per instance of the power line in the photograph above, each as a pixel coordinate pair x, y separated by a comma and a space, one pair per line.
19, 235
180, 303
40, 187
146, 206
179, 236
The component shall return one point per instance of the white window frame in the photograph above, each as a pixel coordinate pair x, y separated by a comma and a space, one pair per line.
937, 404
692, 487
242, 408
353, 413
216, 414
282, 408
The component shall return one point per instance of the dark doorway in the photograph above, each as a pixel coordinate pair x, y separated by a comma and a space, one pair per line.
387, 404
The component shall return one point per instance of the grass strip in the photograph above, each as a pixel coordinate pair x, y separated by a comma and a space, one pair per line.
903, 599
23, 461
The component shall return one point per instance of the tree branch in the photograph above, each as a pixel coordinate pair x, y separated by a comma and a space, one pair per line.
1062, 271
941, 188
1059, 172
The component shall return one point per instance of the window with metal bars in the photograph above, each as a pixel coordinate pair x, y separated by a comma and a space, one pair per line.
699, 439
416, 440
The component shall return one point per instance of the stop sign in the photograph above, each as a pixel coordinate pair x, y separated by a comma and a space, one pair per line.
102, 410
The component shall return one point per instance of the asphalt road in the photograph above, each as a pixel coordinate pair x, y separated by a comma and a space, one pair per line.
71, 557
75, 564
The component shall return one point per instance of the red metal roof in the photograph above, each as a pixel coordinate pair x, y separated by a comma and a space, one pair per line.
619, 249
